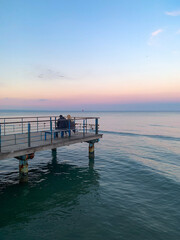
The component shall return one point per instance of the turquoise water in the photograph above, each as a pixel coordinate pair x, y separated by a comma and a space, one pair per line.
130, 191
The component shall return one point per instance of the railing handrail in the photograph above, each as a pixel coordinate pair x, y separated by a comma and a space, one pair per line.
41, 117
45, 120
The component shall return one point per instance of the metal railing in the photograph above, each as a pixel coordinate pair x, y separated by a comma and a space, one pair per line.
30, 130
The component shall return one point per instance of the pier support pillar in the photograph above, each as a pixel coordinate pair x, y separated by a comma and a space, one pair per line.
91, 150
54, 151
54, 156
23, 167
91, 163
23, 170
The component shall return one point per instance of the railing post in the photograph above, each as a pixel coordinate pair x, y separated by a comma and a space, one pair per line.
83, 126
0, 137
37, 124
69, 127
29, 135
86, 125
55, 123
96, 124
4, 127
51, 128
22, 124
74, 124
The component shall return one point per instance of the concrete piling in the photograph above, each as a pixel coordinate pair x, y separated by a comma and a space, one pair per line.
23, 170
23, 167
91, 150
54, 158
54, 151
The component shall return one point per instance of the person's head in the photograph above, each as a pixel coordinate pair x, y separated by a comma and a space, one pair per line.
68, 116
60, 116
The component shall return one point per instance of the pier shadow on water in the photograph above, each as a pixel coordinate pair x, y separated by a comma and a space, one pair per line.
56, 185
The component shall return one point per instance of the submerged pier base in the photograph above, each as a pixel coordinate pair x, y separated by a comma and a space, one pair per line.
54, 151
23, 166
91, 163
23, 170
54, 157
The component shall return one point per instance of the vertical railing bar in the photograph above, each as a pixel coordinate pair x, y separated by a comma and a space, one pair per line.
69, 127
37, 124
29, 135
4, 127
0, 137
22, 124
51, 128
86, 125
83, 127
96, 123
74, 125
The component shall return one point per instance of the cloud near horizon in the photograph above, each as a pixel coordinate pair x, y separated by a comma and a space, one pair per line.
173, 13
42, 99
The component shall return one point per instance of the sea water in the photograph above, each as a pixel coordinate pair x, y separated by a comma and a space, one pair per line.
131, 191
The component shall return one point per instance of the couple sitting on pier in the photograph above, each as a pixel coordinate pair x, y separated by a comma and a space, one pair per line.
65, 124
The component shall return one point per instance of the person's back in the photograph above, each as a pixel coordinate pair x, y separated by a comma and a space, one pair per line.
61, 123
72, 123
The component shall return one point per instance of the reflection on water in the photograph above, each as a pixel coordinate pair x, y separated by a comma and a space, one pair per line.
54, 185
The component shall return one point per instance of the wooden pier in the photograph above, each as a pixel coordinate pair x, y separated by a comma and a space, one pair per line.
23, 136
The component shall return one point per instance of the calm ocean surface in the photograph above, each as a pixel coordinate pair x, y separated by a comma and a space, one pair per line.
130, 192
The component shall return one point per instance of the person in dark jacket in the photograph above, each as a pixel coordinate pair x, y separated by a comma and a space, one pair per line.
61, 123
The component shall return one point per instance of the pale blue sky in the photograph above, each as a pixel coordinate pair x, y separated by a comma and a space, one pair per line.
114, 51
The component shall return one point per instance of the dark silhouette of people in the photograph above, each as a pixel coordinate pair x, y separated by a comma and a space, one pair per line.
63, 124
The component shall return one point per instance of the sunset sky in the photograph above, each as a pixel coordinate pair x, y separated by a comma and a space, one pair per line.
90, 54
